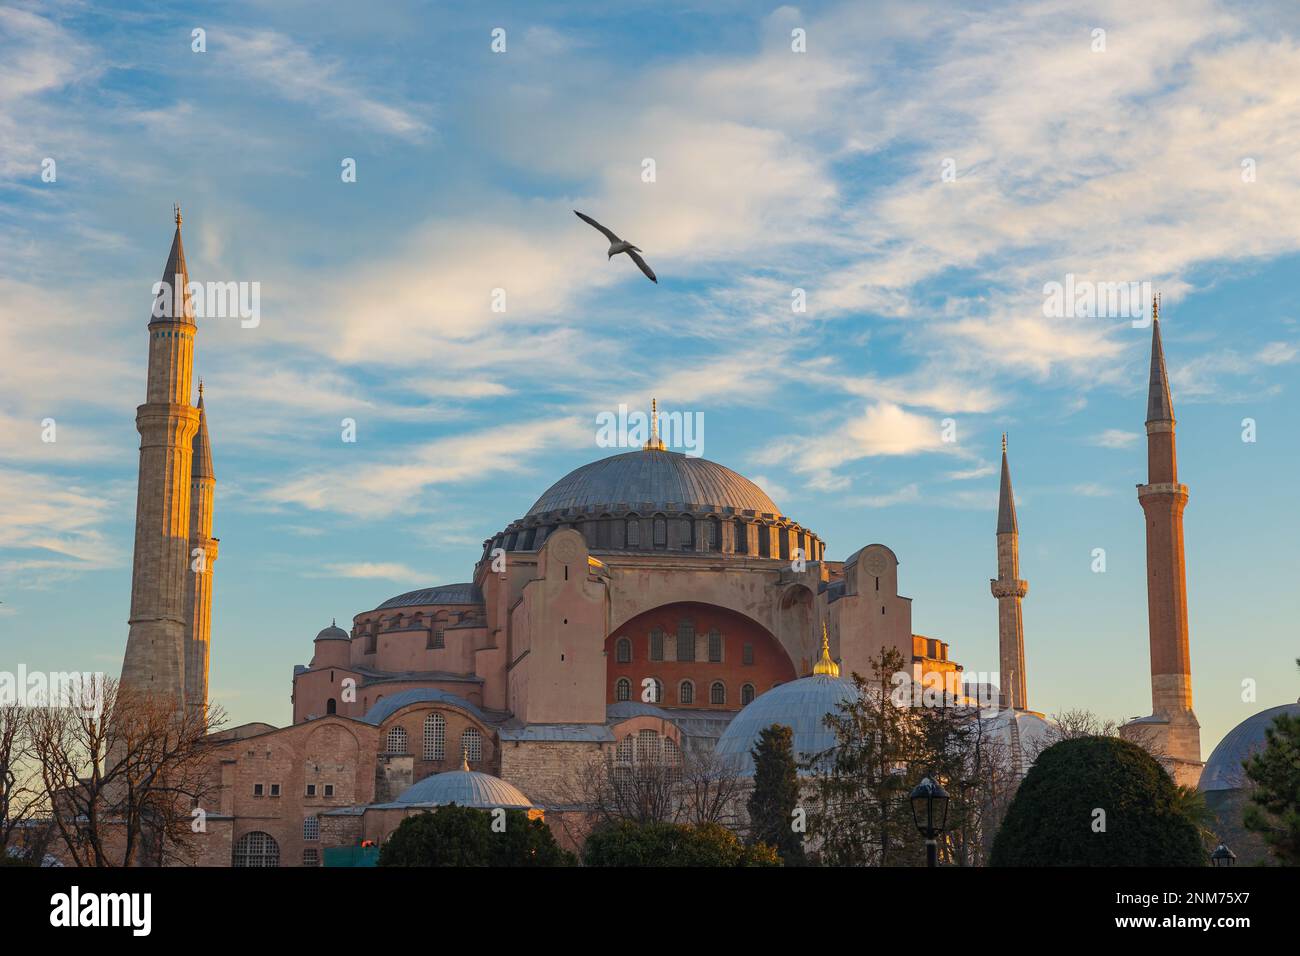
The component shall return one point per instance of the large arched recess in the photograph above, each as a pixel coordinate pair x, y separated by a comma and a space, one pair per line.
770, 663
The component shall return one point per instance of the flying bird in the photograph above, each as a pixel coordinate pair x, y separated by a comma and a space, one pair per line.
617, 245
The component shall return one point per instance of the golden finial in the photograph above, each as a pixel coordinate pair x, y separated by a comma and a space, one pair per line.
655, 443
464, 760
200, 386
1155, 307
1004, 443
177, 208
826, 665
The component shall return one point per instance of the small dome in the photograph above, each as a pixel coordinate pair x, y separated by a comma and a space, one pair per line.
333, 633
656, 478
801, 705
1024, 734
465, 788
1223, 770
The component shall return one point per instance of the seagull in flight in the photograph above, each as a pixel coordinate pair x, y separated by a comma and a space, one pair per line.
617, 245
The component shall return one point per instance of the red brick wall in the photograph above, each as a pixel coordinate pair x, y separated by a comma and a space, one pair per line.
771, 665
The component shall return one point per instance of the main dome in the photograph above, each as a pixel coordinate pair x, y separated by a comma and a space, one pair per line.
654, 479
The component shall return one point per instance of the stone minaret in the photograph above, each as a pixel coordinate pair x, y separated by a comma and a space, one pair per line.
1172, 732
1009, 589
203, 554
155, 649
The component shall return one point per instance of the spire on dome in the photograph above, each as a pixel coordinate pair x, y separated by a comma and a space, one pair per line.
1160, 406
826, 665
655, 443
464, 760
201, 447
1006, 497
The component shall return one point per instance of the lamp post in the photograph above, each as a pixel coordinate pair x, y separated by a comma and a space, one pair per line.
1222, 856
930, 811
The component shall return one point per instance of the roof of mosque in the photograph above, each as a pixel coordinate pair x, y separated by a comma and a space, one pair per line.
465, 788
801, 705
651, 478
384, 708
1223, 771
443, 594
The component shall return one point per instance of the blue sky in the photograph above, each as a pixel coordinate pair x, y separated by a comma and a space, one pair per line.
774, 170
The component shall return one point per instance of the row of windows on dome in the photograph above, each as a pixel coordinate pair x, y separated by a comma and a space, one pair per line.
662, 533
687, 648
685, 692
397, 741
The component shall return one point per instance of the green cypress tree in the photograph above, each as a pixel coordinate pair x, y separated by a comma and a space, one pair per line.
776, 795
1274, 811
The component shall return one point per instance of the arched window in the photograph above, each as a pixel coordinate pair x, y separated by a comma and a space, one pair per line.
626, 752
623, 649
715, 646
661, 533
656, 644
256, 849
717, 692
331, 707
311, 827
715, 534
764, 541
623, 689
435, 737
655, 690
688, 534
746, 694
686, 641
633, 532
471, 744
686, 692
742, 537
395, 743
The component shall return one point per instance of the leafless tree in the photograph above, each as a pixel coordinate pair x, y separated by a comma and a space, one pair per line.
122, 782
22, 802
710, 790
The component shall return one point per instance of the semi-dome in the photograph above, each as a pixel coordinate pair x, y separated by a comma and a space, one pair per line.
1023, 734
801, 705
655, 479
1223, 771
333, 633
465, 788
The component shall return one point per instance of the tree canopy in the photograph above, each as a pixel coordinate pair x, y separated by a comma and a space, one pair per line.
464, 836
1097, 801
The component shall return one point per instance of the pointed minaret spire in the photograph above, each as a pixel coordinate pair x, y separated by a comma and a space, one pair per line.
202, 446
202, 556
174, 303
1009, 590
1160, 406
1006, 497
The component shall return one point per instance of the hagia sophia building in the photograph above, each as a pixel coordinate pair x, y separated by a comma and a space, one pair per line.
648, 603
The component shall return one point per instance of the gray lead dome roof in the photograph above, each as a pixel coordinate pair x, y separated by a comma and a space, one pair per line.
656, 478
1223, 771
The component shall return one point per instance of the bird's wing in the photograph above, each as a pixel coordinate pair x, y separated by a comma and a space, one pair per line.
591, 222
644, 268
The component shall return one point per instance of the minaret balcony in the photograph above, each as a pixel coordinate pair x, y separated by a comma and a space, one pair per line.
1162, 488
1009, 587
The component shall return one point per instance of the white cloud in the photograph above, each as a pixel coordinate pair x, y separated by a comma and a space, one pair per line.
366, 570
1115, 438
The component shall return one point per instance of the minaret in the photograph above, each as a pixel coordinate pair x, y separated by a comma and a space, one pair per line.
1172, 732
155, 648
1010, 590
203, 554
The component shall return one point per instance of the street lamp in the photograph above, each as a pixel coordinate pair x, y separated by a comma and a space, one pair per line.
1222, 856
930, 811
